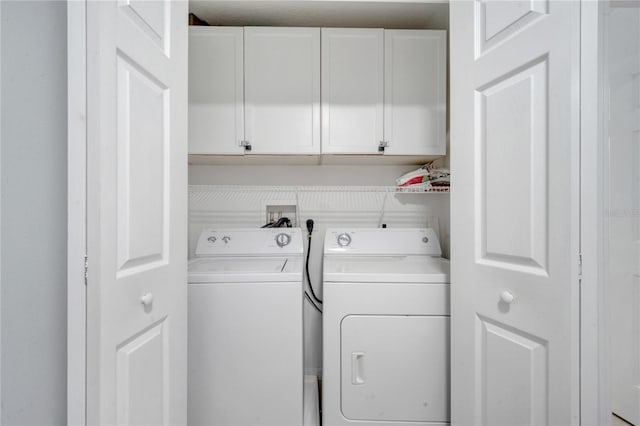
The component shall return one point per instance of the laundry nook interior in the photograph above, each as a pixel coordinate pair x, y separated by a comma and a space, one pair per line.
324, 107
322, 212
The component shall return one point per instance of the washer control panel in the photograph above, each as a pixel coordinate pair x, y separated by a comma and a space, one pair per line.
283, 239
249, 242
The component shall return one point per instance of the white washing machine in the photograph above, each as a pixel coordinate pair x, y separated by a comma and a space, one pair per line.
245, 328
385, 328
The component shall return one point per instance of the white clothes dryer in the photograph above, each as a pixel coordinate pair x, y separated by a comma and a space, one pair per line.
385, 328
245, 355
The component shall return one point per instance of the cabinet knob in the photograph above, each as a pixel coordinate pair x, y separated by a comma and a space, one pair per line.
382, 145
246, 145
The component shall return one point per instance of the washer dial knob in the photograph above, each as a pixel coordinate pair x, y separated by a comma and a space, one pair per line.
283, 239
344, 239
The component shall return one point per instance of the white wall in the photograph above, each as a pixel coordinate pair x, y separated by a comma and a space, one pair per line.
33, 216
333, 196
623, 206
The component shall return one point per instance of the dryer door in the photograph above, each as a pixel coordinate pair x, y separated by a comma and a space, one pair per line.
395, 368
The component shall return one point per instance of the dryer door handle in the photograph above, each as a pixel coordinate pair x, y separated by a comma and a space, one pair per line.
357, 368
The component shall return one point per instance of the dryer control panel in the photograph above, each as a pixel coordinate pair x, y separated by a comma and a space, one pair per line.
379, 241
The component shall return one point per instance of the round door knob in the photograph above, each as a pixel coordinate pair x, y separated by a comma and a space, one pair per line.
147, 299
507, 297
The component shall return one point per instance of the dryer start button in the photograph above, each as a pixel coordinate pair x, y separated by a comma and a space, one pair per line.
344, 239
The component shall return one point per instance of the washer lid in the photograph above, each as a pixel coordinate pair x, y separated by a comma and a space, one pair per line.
245, 269
386, 269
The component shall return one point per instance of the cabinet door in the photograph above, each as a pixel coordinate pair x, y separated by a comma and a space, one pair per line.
282, 90
352, 90
415, 108
216, 90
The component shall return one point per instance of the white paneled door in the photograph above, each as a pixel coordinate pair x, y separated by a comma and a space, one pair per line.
515, 217
136, 212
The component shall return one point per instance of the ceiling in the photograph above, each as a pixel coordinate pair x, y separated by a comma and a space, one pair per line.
310, 13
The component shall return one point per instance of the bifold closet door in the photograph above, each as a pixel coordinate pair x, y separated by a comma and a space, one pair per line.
515, 147
136, 212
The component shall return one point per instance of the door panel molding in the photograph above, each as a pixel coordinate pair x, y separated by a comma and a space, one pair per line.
496, 22
143, 155
144, 358
152, 18
513, 374
513, 185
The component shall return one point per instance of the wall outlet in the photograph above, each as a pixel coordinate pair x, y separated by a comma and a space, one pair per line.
275, 212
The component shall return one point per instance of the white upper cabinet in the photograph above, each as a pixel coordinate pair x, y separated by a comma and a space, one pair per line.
216, 90
383, 87
282, 90
415, 79
256, 90
352, 90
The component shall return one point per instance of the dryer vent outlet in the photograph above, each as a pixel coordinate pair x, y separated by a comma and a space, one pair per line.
275, 212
